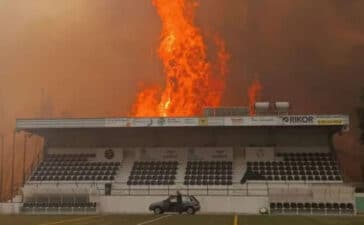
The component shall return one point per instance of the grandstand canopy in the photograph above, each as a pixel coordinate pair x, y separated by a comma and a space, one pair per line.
187, 131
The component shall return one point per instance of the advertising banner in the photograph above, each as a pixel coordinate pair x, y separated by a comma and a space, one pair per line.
174, 122
141, 122
302, 120
264, 121
329, 121
190, 122
244, 121
237, 121
117, 122
215, 121
203, 121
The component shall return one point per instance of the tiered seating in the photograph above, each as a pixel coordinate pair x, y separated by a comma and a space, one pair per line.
74, 167
311, 207
208, 173
320, 167
59, 205
250, 175
69, 157
153, 173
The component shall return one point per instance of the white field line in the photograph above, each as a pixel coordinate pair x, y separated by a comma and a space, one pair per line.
71, 220
153, 220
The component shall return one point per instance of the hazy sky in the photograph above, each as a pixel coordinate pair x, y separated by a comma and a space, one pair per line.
89, 56
86, 58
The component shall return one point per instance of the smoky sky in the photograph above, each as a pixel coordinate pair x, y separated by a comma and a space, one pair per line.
87, 58
307, 52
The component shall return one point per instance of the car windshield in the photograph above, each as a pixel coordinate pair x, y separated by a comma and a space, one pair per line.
172, 199
186, 199
194, 199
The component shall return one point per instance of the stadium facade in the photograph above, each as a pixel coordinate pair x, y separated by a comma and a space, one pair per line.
232, 164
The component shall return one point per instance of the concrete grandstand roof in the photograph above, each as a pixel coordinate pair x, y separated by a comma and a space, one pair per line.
187, 131
240, 121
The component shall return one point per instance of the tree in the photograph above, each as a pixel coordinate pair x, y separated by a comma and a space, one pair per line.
361, 116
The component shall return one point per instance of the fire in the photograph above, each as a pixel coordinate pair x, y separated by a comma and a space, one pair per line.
253, 93
191, 80
148, 98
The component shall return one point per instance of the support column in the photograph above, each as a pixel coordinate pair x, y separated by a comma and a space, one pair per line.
24, 156
2, 166
12, 168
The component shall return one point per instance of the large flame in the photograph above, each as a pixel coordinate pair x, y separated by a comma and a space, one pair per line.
191, 80
253, 93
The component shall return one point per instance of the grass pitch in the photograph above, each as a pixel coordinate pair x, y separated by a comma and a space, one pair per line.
178, 220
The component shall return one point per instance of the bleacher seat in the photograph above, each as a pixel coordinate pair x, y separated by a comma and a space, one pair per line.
54, 203
74, 167
311, 207
59, 205
320, 167
208, 173
153, 173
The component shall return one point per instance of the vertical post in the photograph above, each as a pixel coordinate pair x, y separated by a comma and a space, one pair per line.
236, 221
12, 168
24, 156
2, 167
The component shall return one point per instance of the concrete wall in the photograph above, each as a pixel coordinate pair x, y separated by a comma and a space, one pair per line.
10, 208
359, 203
100, 152
209, 204
259, 153
192, 137
311, 193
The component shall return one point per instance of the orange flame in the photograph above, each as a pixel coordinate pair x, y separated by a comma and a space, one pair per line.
253, 93
148, 98
192, 82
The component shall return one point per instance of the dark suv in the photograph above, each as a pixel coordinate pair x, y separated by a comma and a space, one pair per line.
190, 205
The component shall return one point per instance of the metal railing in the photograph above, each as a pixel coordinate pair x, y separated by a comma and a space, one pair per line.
273, 192
236, 189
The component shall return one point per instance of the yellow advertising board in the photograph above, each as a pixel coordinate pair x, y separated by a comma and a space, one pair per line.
203, 121
331, 121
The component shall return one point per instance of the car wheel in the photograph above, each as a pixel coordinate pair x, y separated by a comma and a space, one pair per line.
157, 210
190, 211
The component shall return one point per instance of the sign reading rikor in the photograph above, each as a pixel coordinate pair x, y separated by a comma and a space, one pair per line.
299, 120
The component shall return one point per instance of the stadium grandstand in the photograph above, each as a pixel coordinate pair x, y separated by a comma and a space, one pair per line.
230, 161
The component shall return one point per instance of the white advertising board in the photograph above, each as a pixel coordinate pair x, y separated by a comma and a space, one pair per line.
242, 121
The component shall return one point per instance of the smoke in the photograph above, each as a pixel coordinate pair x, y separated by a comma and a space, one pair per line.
305, 52
82, 57
85, 58
78, 58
